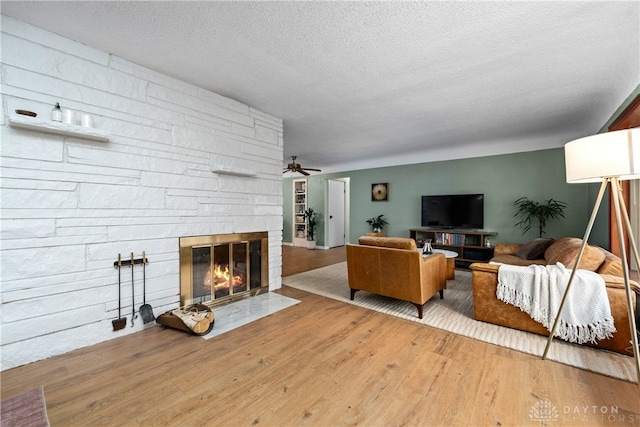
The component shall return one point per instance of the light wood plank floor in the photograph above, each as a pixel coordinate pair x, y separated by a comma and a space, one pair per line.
318, 363
297, 260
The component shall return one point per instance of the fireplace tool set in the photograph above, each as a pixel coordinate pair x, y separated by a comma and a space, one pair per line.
146, 312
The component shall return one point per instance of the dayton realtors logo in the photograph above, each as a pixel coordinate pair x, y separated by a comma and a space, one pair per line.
544, 411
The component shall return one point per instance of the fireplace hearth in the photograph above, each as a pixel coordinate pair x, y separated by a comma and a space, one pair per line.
217, 268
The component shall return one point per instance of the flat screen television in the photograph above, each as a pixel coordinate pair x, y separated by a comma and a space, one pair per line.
465, 211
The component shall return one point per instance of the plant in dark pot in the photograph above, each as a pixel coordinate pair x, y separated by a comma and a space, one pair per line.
311, 216
377, 224
531, 212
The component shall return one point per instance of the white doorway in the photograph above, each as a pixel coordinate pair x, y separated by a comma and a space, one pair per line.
336, 213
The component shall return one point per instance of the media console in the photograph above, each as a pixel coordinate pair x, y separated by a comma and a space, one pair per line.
471, 245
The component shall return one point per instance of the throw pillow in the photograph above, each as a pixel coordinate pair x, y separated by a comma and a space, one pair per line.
534, 249
565, 251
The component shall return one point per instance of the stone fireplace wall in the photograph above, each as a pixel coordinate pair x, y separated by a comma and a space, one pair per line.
70, 205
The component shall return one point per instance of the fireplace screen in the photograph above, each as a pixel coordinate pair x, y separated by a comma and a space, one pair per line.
216, 268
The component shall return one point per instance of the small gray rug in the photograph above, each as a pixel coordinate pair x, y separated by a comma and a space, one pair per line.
454, 313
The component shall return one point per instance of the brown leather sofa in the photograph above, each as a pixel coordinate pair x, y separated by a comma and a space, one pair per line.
488, 308
393, 267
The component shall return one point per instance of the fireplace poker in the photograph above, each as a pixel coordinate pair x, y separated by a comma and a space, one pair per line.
145, 309
120, 322
133, 292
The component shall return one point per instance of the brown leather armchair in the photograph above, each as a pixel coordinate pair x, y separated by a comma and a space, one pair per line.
393, 267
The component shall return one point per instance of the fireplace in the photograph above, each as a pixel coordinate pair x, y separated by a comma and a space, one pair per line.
221, 267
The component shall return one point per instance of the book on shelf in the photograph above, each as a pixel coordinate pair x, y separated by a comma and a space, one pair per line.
452, 239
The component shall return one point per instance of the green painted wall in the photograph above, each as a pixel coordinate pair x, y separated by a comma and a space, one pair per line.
538, 175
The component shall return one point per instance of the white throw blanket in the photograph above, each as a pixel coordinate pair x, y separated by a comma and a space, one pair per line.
538, 290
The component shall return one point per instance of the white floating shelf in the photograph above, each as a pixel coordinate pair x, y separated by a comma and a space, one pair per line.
47, 126
234, 173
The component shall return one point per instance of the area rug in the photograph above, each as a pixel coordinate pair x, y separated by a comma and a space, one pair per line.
247, 310
454, 314
26, 409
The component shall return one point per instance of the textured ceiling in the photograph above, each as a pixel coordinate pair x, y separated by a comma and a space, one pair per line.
361, 84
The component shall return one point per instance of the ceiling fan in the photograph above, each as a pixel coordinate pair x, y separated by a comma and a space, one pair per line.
295, 167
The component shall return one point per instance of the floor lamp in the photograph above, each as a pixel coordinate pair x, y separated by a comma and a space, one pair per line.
607, 158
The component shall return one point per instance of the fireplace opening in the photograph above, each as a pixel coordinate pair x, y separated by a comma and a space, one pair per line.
217, 268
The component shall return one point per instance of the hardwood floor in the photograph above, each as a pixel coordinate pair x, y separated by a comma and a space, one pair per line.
296, 259
319, 363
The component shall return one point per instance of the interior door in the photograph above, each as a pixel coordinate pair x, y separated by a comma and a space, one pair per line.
336, 211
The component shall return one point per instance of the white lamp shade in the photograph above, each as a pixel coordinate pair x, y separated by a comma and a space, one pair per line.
611, 154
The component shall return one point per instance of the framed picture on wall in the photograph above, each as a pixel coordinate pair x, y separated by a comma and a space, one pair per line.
380, 192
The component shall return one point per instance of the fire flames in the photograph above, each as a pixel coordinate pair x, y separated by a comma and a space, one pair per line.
221, 277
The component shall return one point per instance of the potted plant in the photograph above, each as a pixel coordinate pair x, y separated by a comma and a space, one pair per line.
531, 212
311, 217
377, 223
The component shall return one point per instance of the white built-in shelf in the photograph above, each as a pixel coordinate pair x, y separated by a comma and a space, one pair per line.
47, 126
234, 173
